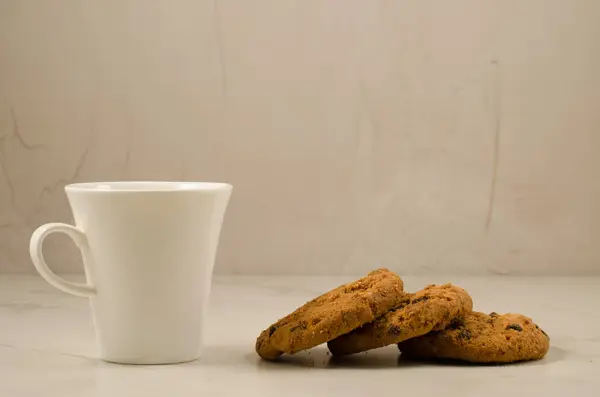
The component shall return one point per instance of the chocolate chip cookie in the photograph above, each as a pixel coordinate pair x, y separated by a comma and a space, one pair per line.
482, 338
332, 314
432, 308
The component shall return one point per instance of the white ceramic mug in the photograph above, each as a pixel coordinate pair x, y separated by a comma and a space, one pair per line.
148, 251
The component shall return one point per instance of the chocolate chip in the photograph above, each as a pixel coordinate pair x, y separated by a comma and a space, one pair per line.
457, 323
401, 305
394, 330
421, 299
272, 329
516, 327
493, 314
465, 334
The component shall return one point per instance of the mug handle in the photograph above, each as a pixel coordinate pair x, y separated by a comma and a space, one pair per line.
37, 256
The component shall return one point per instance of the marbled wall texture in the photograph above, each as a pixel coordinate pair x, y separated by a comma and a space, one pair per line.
427, 136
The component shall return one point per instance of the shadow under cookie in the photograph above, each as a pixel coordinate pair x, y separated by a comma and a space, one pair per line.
321, 358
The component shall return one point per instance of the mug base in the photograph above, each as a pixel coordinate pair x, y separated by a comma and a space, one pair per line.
149, 361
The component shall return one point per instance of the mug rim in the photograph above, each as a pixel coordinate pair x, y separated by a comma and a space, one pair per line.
140, 186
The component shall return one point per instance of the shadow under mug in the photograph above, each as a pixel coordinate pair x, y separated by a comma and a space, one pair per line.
148, 250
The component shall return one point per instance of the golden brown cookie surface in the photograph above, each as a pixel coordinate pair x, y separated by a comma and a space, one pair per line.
332, 314
430, 309
483, 338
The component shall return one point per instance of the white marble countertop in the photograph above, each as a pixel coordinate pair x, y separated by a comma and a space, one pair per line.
47, 346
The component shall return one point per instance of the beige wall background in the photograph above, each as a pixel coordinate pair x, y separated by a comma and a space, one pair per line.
427, 136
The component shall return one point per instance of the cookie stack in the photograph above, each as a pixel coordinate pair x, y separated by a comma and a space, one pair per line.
434, 323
